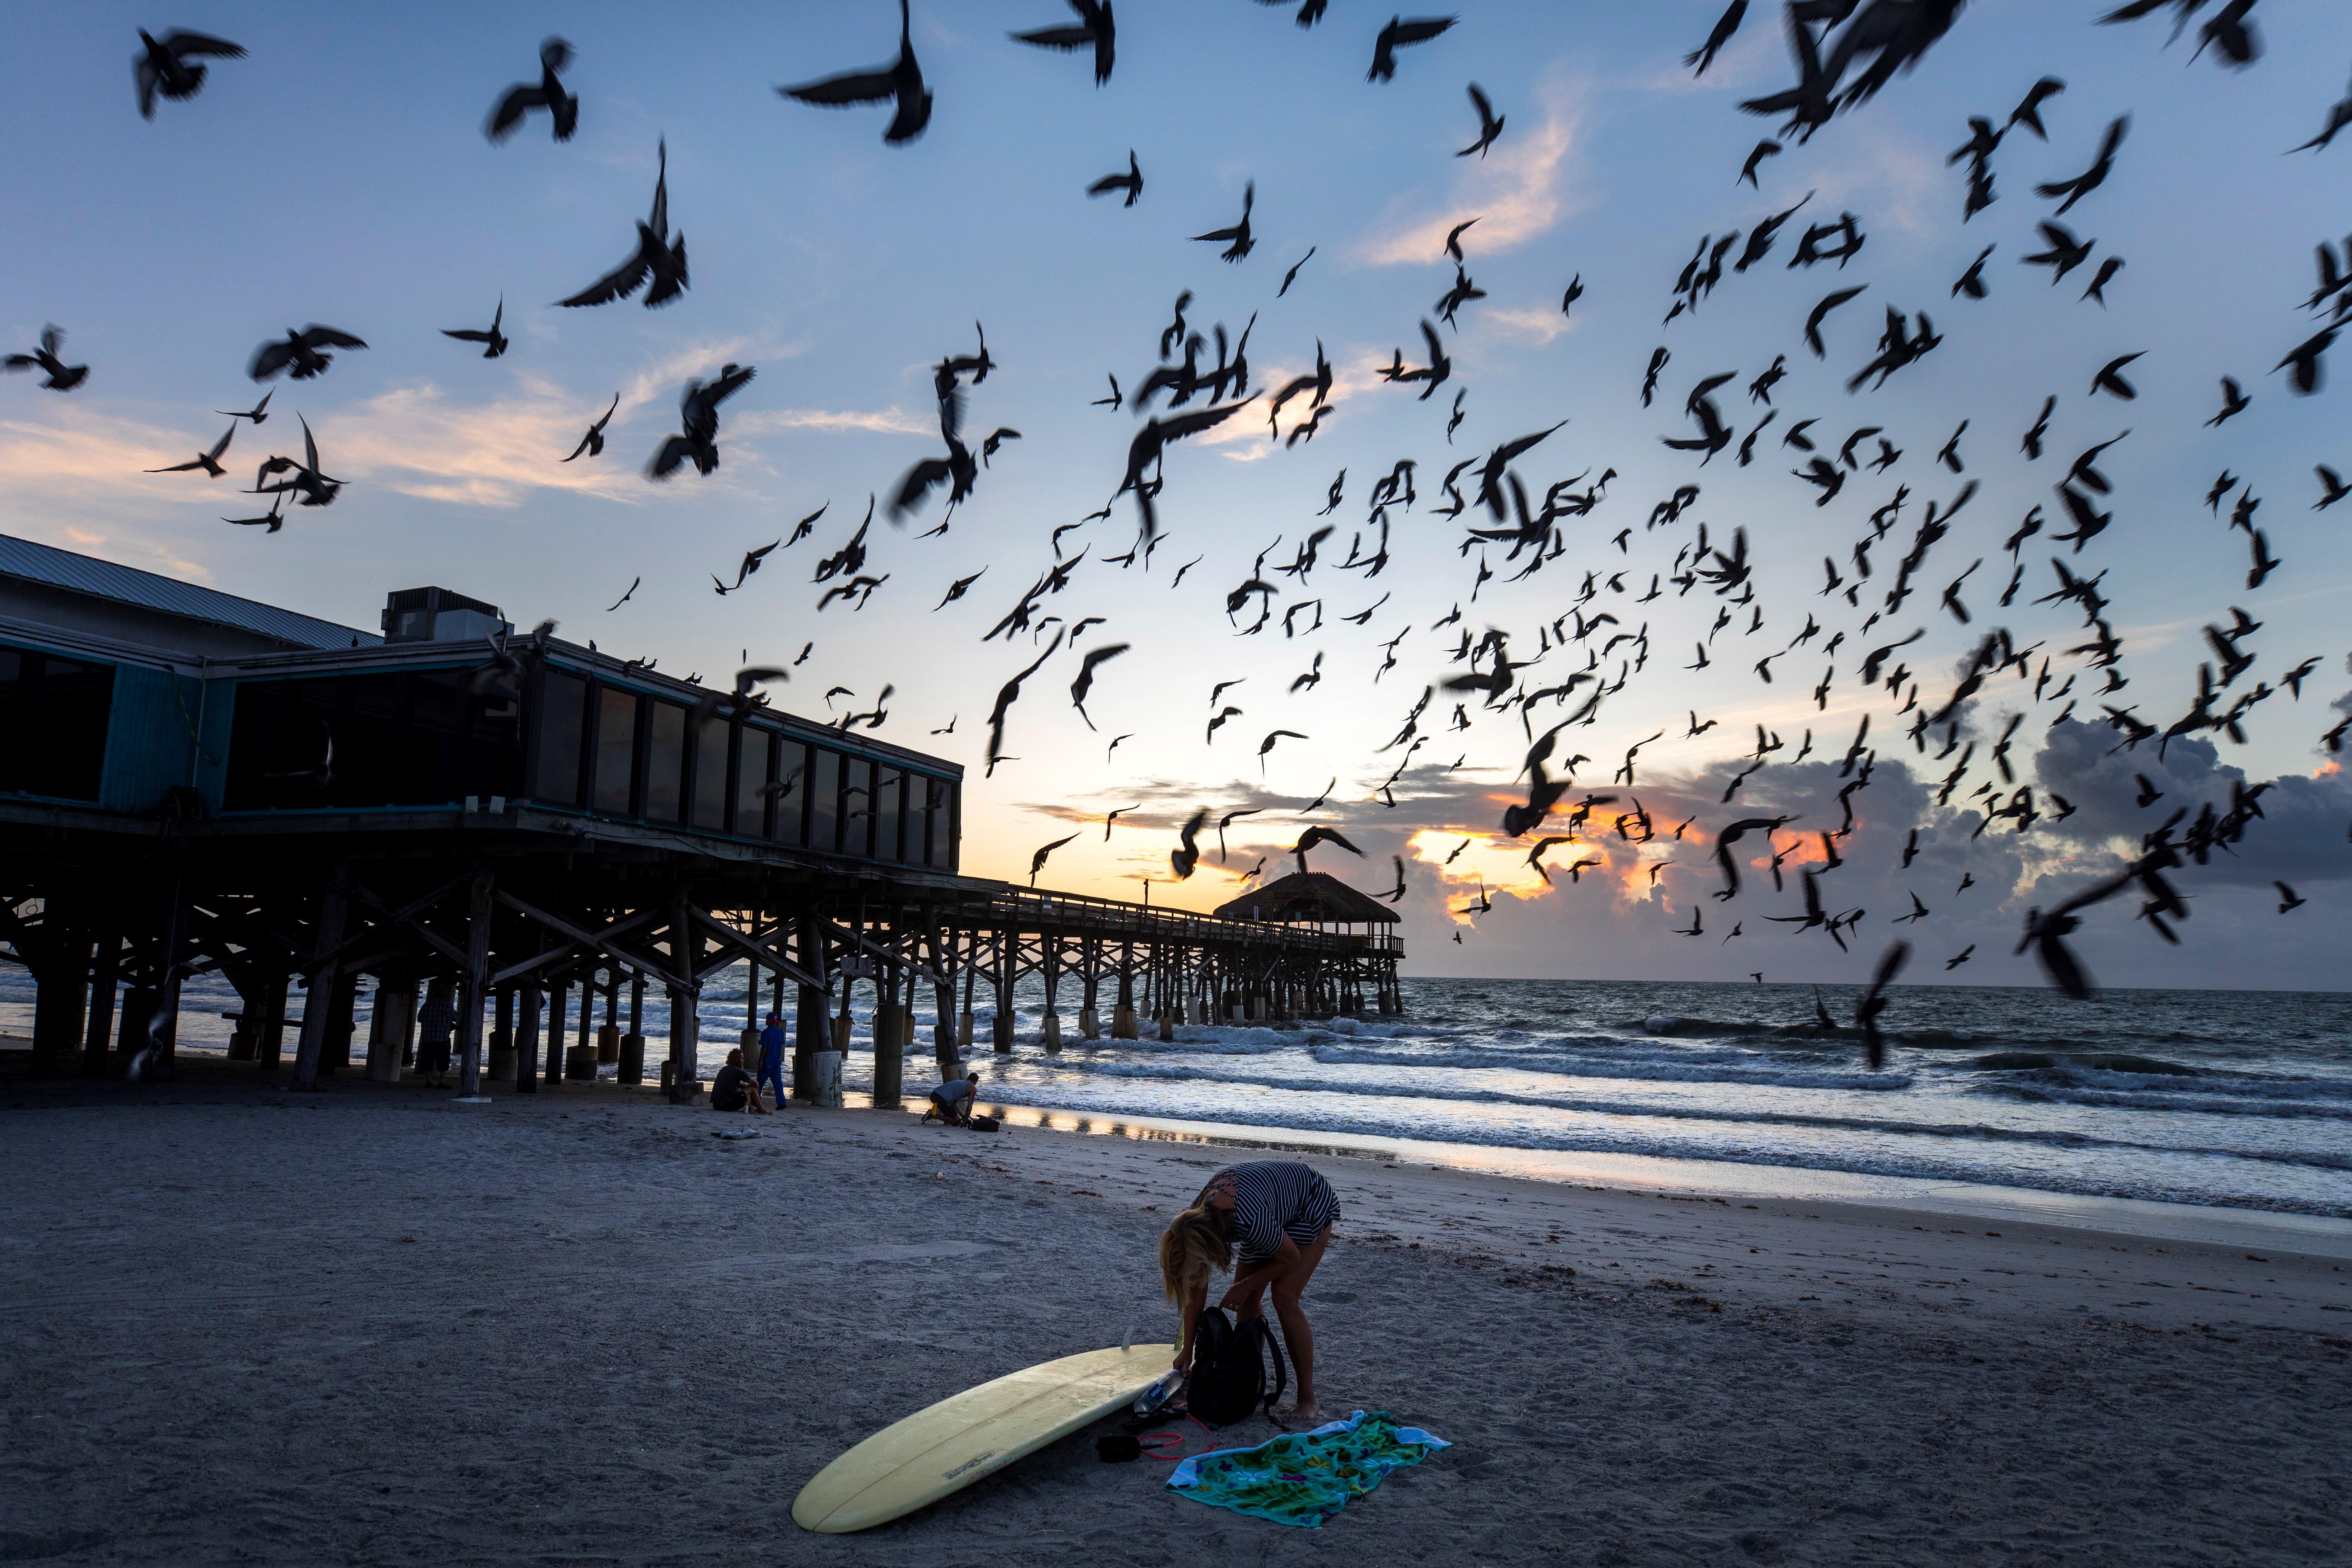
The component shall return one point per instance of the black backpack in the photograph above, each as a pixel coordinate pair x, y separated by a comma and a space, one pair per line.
1228, 1378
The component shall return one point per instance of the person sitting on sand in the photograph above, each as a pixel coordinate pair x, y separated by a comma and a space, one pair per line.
735, 1089
1281, 1211
952, 1102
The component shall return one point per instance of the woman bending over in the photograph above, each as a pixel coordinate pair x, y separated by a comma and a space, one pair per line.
1280, 1212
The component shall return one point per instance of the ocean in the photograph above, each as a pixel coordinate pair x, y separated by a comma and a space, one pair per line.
2219, 1099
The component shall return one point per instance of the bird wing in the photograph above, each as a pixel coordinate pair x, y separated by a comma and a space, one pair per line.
507, 114
1418, 31
674, 452
1057, 37
730, 380
270, 359
622, 280
182, 44
317, 337
841, 91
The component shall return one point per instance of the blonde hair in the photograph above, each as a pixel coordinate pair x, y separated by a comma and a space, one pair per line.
1198, 1242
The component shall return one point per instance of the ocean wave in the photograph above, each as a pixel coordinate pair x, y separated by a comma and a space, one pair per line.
1944, 1165
1336, 1090
1715, 1068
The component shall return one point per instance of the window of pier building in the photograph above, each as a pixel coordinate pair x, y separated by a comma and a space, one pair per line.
354, 741
53, 719
666, 763
823, 784
616, 750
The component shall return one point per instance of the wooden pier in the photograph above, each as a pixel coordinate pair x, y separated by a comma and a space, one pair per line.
195, 782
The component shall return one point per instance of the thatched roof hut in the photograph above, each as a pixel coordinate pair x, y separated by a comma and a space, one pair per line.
1308, 897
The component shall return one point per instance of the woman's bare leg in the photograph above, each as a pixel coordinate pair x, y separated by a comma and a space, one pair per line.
1297, 1334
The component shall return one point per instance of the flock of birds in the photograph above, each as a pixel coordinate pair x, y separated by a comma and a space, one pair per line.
1844, 52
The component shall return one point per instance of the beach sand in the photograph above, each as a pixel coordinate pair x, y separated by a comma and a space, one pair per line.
370, 1325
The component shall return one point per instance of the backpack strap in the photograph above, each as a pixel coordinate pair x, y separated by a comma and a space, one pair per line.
1274, 1351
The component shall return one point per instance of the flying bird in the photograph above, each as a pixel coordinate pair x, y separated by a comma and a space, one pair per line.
698, 417
1239, 233
208, 461
162, 69
2338, 117
1292, 275
2234, 402
59, 375
1085, 680
1094, 30
2110, 379
2028, 112
1490, 124
1131, 182
1006, 696
1725, 26
593, 443
658, 256
1821, 312
901, 81
495, 342
2092, 178
1397, 35
506, 116
258, 412
1038, 861
299, 351
626, 597
1873, 1002
2287, 901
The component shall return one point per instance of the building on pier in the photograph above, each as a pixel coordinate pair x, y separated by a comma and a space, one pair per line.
195, 781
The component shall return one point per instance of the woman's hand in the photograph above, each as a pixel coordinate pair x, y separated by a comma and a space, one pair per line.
1183, 1362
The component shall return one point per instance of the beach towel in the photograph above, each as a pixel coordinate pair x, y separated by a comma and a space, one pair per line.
1305, 1477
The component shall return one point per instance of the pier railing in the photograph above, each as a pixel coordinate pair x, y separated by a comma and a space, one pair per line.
1140, 922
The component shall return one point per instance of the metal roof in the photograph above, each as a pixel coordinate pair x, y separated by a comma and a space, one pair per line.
106, 580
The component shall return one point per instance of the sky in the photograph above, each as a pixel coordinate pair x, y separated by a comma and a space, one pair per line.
340, 174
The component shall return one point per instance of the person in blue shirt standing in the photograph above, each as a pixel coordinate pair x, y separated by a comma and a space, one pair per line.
771, 1056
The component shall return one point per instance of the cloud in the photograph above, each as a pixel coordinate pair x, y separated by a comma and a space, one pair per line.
893, 421
1536, 325
1514, 195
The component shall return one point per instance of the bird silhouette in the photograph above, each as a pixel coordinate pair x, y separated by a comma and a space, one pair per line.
593, 443
162, 69
698, 416
1132, 184
494, 341
659, 257
208, 461
901, 81
1490, 124
1397, 34
299, 351
506, 115
1094, 30
57, 375
1238, 236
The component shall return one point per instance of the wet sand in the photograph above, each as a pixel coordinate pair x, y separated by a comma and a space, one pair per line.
370, 1325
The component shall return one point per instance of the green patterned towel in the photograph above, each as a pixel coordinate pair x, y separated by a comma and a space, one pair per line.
1305, 1477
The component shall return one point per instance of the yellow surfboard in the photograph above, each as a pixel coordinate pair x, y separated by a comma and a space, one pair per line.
947, 1448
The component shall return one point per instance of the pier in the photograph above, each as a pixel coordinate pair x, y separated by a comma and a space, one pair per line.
194, 782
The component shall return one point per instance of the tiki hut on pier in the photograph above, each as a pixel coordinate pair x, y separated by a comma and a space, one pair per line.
1356, 924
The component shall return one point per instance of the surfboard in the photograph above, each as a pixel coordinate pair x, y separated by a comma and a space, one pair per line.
945, 1449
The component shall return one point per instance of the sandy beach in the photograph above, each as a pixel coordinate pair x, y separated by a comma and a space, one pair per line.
370, 1325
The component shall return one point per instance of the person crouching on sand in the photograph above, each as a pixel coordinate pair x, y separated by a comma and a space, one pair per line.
1281, 1213
952, 1101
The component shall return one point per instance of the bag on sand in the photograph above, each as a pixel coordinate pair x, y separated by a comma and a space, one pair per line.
1228, 1378
982, 1124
